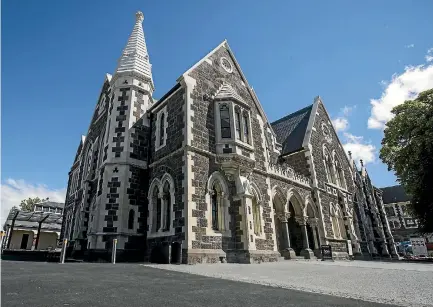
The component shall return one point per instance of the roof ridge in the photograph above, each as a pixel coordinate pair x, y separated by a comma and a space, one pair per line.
292, 114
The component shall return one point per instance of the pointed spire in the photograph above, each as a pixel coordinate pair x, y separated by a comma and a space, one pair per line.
135, 57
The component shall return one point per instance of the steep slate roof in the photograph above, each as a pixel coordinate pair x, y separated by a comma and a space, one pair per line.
394, 194
290, 130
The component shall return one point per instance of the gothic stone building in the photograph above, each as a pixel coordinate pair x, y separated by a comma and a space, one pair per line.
201, 175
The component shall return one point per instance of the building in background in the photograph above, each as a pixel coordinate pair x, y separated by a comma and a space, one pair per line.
34, 230
396, 202
404, 226
201, 175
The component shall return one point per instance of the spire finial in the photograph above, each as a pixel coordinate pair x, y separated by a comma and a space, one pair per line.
139, 16
350, 154
362, 162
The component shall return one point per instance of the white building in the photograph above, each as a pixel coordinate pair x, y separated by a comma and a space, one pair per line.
34, 230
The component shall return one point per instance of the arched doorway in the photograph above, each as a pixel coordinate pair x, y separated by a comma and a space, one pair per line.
312, 227
279, 218
294, 229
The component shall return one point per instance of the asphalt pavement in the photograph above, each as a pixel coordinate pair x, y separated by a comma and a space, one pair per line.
39, 284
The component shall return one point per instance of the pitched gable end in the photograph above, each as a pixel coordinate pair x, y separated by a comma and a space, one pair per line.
249, 89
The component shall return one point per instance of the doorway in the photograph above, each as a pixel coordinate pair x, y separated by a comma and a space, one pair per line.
175, 253
24, 241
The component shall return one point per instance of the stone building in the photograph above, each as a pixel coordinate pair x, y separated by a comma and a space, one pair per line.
201, 175
403, 224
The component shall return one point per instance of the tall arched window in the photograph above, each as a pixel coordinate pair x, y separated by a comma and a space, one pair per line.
246, 130
334, 221
256, 216
225, 122
131, 219
342, 226
161, 129
156, 210
339, 173
329, 166
215, 208
238, 123
217, 211
167, 206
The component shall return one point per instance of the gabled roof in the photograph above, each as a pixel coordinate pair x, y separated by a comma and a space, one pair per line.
394, 194
244, 79
290, 130
226, 91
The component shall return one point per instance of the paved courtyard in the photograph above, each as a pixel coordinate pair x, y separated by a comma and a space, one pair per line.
405, 284
131, 285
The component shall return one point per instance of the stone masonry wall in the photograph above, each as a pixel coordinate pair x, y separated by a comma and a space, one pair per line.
298, 162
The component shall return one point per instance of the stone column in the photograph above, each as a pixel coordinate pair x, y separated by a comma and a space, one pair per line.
288, 252
306, 252
313, 224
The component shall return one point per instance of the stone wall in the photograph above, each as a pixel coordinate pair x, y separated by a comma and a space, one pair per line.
169, 159
299, 163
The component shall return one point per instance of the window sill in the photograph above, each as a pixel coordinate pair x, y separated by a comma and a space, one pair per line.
236, 142
217, 233
159, 147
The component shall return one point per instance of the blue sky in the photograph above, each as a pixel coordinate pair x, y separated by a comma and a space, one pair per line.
55, 55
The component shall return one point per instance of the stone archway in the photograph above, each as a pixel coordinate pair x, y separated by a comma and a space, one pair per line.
294, 207
312, 228
278, 202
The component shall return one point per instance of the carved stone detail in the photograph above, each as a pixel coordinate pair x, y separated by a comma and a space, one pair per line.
301, 220
283, 216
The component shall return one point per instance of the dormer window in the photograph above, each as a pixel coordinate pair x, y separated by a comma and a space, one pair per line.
238, 123
232, 122
225, 121
246, 128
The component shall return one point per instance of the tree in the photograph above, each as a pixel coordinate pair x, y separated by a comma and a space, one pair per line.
29, 204
407, 149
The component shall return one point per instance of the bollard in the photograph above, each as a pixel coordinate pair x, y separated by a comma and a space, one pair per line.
63, 252
113, 252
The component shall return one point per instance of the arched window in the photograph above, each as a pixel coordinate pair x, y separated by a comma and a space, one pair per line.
217, 208
329, 166
238, 123
225, 122
246, 130
167, 206
339, 173
161, 129
256, 216
131, 219
334, 221
156, 210
343, 232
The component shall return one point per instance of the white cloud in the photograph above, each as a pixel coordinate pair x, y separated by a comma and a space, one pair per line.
347, 110
13, 191
408, 85
359, 148
340, 124
410, 46
429, 56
